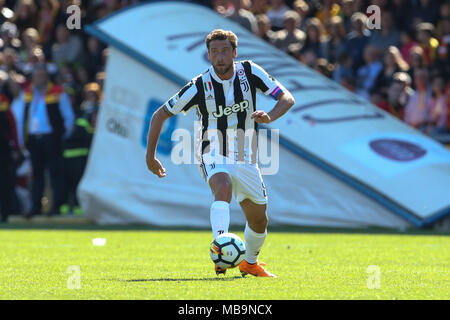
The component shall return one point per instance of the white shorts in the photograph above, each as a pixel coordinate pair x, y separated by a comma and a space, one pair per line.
246, 179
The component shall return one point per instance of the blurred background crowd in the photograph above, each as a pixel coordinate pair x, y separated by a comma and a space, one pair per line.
401, 65
51, 77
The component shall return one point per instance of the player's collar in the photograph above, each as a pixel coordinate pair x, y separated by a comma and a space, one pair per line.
216, 77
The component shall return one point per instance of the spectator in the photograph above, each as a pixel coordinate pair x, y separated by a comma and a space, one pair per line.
444, 16
387, 36
344, 67
93, 57
417, 111
264, 28
439, 108
47, 14
290, 34
66, 78
328, 10
276, 14
314, 37
68, 47
76, 151
259, 7
367, 74
392, 63
9, 34
428, 44
10, 154
246, 4
65, 75
91, 102
357, 39
244, 17
30, 40
10, 60
36, 56
44, 116
302, 8
334, 45
399, 93
222, 7
324, 67
25, 15
416, 61
407, 42
347, 10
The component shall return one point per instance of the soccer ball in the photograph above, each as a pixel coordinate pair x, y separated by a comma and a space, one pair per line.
227, 250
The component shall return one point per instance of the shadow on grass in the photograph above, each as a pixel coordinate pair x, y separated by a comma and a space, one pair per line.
233, 228
179, 279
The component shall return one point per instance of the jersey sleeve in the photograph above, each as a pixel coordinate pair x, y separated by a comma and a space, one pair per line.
265, 82
184, 99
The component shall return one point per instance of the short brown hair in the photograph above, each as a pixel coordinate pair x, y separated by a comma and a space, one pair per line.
219, 34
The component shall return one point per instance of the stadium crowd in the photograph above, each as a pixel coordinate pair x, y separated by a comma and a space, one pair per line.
401, 65
51, 78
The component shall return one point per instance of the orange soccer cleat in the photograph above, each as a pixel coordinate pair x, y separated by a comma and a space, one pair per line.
256, 269
219, 270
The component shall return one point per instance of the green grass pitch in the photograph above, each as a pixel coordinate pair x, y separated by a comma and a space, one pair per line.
136, 263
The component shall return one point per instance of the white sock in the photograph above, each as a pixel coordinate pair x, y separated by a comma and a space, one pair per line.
219, 217
253, 244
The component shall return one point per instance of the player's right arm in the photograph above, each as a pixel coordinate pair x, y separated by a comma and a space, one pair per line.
184, 100
156, 124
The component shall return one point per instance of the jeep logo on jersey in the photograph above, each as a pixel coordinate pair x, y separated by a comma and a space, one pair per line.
238, 107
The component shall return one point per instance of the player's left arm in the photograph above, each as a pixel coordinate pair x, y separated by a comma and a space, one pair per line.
270, 87
285, 101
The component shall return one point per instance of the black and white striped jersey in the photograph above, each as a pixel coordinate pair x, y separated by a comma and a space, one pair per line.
224, 108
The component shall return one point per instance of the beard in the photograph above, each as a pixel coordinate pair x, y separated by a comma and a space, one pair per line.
223, 69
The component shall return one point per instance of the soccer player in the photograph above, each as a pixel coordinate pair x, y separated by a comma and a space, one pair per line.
225, 99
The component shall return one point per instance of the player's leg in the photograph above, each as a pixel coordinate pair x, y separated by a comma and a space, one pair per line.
255, 233
255, 229
251, 194
221, 187
217, 175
